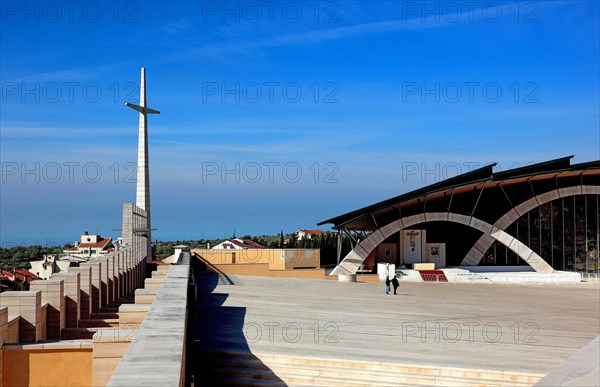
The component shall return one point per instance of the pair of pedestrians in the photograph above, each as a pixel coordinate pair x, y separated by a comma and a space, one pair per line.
394, 282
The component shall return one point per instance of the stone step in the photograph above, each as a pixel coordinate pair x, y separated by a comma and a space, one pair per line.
245, 373
122, 301
347, 376
395, 376
226, 377
78, 333
242, 382
372, 371
291, 379
104, 315
109, 311
99, 323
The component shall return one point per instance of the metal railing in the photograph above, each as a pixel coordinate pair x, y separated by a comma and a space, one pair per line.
590, 277
471, 278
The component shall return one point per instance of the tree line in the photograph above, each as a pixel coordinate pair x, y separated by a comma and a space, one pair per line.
327, 243
18, 257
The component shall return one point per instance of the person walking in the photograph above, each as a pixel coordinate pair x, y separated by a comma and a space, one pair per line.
395, 283
387, 284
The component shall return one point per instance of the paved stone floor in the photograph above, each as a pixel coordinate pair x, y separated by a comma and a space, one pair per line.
528, 328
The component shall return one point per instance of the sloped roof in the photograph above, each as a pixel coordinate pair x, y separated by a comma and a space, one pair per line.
22, 275
102, 243
470, 179
246, 243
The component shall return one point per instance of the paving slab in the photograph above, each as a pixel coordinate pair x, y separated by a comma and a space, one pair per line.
522, 328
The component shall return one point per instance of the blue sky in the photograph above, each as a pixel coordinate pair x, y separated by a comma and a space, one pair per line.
275, 116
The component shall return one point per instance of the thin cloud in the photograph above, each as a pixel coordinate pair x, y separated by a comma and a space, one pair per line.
73, 74
26, 130
223, 50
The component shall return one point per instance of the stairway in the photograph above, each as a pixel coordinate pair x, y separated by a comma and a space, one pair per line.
247, 369
106, 317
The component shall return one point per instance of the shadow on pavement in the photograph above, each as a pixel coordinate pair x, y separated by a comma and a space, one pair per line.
217, 352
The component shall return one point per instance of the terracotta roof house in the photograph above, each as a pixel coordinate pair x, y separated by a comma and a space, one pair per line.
18, 279
238, 244
91, 246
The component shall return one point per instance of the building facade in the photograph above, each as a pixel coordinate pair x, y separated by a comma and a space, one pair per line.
544, 215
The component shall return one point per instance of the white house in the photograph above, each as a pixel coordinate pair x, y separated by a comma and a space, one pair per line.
309, 234
90, 246
238, 244
47, 266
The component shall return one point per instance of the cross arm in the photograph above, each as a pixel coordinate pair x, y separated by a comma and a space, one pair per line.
142, 109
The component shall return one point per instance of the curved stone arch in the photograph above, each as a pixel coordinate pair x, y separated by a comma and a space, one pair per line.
476, 253
360, 252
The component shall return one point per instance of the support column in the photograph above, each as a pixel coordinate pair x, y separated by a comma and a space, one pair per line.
140, 274
85, 290
111, 279
121, 260
96, 295
53, 294
72, 296
3, 327
130, 259
143, 273
103, 281
3, 337
27, 305
134, 272
126, 277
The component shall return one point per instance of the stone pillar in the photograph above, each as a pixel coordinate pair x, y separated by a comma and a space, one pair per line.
132, 315
128, 271
133, 276
138, 269
153, 283
125, 272
72, 296
138, 275
3, 326
3, 336
128, 225
123, 269
119, 274
143, 273
103, 281
96, 295
85, 290
53, 294
161, 271
27, 305
145, 296
134, 259
111, 279
135, 271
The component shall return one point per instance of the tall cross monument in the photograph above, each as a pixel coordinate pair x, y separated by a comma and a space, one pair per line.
142, 196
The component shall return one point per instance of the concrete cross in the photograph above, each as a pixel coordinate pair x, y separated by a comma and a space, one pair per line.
143, 171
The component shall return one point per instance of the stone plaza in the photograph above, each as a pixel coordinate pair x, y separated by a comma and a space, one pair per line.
522, 332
